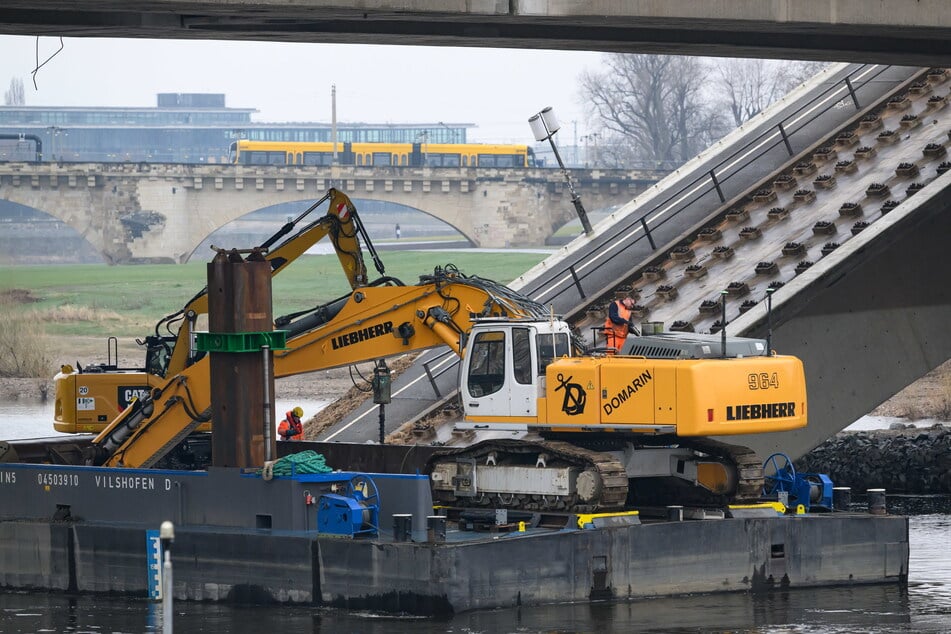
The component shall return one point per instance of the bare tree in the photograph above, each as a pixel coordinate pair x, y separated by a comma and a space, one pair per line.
747, 86
650, 108
15, 95
800, 71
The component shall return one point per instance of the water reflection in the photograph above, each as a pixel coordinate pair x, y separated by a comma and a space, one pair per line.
845, 609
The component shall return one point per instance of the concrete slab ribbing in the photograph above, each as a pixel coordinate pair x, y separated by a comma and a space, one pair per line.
885, 31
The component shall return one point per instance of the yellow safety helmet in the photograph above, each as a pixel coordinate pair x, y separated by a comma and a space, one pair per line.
298, 412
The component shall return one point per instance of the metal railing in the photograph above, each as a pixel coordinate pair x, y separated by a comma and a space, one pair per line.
431, 376
631, 233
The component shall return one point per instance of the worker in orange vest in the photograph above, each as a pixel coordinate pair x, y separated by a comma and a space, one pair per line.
291, 428
618, 323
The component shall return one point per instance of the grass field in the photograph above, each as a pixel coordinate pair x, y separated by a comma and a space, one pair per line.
126, 301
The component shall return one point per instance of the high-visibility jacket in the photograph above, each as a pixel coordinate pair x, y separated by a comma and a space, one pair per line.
290, 428
616, 329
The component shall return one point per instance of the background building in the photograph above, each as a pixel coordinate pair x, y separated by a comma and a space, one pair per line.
182, 128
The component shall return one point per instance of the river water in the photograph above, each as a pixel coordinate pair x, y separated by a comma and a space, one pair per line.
923, 606
30, 419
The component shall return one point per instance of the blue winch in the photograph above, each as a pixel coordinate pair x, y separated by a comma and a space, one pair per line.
354, 511
782, 483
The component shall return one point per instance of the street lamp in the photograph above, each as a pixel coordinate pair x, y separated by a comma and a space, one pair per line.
544, 126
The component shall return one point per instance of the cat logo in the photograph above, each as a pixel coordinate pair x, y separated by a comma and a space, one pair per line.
129, 392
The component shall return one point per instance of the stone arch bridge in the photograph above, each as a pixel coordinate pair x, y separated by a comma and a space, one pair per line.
162, 212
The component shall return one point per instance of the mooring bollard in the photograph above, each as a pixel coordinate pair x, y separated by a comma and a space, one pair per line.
402, 527
841, 498
675, 513
436, 528
876, 502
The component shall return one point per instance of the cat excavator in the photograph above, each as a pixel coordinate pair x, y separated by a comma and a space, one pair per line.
88, 398
595, 430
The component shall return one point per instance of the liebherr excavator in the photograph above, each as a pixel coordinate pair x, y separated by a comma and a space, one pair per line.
594, 423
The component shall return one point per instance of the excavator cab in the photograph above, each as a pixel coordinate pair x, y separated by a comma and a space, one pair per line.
504, 367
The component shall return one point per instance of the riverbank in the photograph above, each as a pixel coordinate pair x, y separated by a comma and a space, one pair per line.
904, 459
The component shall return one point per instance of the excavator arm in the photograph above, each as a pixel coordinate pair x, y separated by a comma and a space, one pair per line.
372, 322
85, 400
341, 223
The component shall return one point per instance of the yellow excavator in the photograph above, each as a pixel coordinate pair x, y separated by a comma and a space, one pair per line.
599, 430
88, 398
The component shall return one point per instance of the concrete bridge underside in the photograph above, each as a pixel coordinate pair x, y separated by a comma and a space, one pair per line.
161, 213
884, 31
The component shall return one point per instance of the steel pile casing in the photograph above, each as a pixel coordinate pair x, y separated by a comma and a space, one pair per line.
239, 301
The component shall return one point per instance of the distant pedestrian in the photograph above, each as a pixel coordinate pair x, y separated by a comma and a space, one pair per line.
397, 232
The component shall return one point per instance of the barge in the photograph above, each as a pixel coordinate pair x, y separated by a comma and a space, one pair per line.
240, 537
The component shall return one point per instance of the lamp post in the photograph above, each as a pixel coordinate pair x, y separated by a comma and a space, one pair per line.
544, 126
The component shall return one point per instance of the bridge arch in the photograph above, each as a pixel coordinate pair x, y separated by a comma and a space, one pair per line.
34, 236
378, 216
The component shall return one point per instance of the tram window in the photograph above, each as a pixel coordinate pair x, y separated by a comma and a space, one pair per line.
318, 158
265, 158
443, 160
500, 160
522, 355
382, 159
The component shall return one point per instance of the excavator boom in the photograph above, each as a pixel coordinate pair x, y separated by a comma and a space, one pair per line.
370, 323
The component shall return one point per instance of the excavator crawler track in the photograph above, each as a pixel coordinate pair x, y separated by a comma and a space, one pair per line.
746, 466
600, 480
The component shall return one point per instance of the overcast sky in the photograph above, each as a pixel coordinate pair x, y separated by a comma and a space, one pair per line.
497, 89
